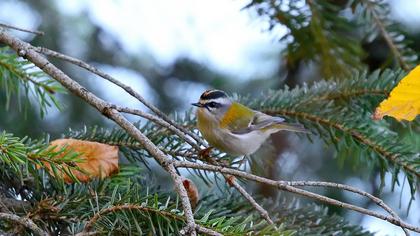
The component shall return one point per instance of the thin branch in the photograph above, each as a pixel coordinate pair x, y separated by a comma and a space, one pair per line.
160, 122
248, 197
127, 88
28, 223
376, 200
27, 51
283, 185
40, 33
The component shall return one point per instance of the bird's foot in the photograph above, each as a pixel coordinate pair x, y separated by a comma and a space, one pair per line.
205, 153
230, 179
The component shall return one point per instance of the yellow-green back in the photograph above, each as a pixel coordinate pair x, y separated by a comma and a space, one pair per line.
237, 117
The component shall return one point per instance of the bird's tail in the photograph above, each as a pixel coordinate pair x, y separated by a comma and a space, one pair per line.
291, 127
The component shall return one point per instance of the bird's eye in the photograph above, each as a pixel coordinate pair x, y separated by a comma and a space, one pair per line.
212, 104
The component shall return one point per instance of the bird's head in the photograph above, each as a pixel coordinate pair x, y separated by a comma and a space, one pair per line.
213, 103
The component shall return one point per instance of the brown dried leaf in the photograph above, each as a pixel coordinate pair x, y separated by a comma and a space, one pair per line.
98, 160
192, 191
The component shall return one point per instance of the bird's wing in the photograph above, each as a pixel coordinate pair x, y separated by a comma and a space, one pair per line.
264, 122
237, 117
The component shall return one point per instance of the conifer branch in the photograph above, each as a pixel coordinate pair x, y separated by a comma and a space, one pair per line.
146, 209
26, 77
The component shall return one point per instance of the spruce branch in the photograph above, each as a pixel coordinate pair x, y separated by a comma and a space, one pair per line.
92, 221
20, 75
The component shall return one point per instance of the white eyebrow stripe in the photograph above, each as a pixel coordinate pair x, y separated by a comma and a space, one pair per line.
217, 100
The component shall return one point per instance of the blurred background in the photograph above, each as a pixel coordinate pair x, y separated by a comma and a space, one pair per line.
171, 51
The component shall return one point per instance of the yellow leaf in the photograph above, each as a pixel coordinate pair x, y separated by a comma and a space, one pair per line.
404, 101
98, 160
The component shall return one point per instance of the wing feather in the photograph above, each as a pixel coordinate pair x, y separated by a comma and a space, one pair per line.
237, 117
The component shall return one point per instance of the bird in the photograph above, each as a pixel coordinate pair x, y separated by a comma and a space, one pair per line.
235, 128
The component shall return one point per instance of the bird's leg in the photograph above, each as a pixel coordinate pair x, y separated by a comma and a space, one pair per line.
205, 153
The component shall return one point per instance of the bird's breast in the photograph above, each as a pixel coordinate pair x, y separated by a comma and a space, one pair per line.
207, 126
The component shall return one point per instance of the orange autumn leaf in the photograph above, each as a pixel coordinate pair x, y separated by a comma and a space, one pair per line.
97, 159
404, 101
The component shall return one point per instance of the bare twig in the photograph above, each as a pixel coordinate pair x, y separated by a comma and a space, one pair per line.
128, 89
160, 122
376, 200
40, 33
283, 185
250, 199
28, 223
26, 50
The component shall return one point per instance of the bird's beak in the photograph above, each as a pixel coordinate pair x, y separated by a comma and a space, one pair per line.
197, 104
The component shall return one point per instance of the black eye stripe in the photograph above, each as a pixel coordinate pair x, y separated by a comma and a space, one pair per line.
213, 105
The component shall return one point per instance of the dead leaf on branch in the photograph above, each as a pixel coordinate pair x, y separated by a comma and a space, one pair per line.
192, 191
403, 102
97, 160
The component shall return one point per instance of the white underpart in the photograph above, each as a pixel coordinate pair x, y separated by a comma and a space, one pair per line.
244, 144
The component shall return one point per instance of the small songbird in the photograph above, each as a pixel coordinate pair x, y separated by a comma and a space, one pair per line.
234, 128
